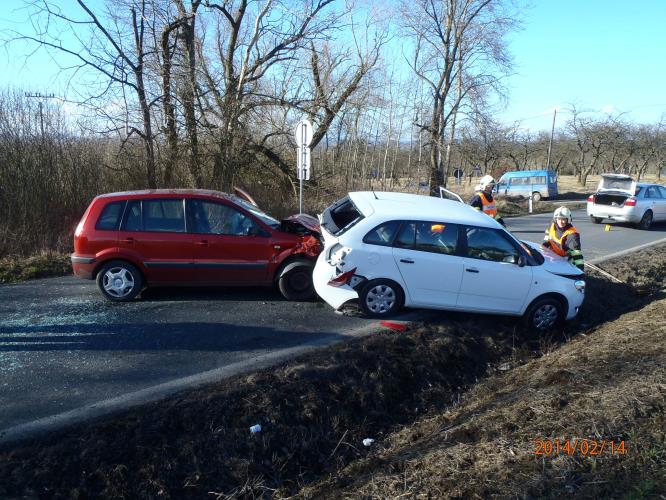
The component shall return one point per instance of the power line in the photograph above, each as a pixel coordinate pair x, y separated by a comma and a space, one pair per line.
41, 114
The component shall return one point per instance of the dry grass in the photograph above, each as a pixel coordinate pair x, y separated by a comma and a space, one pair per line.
455, 407
42, 265
608, 385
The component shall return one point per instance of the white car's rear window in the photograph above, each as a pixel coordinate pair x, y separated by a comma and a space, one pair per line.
340, 216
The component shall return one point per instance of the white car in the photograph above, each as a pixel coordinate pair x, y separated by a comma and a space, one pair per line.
619, 198
388, 250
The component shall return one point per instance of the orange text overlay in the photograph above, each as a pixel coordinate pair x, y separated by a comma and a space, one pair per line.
580, 447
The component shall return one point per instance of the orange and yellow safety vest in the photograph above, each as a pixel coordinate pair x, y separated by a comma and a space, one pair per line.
488, 206
557, 244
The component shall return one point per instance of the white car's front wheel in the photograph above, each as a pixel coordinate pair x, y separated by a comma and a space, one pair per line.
544, 314
381, 298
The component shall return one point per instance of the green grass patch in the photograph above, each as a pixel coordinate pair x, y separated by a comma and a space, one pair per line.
43, 265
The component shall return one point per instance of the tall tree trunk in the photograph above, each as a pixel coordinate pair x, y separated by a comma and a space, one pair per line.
189, 92
169, 108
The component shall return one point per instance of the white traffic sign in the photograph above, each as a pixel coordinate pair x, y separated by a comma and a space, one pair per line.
303, 133
303, 163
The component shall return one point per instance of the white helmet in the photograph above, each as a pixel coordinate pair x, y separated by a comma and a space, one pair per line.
563, 213
486, 180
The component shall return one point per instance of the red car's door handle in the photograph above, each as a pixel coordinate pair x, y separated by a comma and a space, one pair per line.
202, 243
127, 240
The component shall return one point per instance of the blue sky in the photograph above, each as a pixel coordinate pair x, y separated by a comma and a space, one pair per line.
599, 54
602, 55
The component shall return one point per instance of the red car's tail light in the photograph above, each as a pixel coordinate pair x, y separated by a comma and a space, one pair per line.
590, 198
630, 202
79, 229
343, 278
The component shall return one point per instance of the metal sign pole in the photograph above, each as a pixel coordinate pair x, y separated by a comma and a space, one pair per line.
303, 139
301, 171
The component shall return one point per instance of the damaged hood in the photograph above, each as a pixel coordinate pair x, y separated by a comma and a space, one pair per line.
301, 223
553, 263
307, 227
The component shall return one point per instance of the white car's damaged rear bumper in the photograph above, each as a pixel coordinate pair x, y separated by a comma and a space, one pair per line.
335, 296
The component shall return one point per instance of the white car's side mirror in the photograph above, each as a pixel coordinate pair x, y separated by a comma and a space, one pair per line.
518, 260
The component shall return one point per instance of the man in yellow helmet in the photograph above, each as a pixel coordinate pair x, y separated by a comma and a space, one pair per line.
483, 198
563, 238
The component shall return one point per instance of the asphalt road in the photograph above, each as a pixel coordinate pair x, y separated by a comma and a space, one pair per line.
63, 347
595, 240
66, 354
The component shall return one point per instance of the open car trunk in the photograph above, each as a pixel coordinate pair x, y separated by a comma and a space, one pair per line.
614, 189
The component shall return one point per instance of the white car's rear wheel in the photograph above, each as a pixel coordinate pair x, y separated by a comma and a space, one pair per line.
646, 221
381, 298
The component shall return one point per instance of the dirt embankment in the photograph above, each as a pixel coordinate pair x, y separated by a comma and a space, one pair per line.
438, 431
588, 418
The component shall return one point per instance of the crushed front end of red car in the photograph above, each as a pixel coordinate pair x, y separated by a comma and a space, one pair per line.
308, 227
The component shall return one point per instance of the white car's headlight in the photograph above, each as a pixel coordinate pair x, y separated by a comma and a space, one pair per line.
580, 285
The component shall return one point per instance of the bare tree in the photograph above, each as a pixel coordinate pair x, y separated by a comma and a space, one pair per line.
332, 91
622, 148
254, 41
189, 90
647, 146
482, 144
112, 45
455, 42
523, 147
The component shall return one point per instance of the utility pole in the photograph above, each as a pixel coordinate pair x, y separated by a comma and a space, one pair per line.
550, 144
41, 97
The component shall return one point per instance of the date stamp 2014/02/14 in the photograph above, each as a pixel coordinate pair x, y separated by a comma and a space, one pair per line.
580, 447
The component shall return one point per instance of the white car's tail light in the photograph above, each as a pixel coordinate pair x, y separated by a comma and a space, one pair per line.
590, 199
630, 202
342, 279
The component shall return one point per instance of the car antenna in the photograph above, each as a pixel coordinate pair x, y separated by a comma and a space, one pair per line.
373, 192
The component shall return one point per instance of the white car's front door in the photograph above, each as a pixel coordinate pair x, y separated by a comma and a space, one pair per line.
492, 279
425, 255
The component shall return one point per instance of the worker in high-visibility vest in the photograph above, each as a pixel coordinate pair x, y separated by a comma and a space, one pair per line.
483, 198
563, 238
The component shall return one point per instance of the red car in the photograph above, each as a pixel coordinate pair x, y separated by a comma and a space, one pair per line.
131, 240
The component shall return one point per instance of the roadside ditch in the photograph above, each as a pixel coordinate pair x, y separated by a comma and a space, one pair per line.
315, 412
